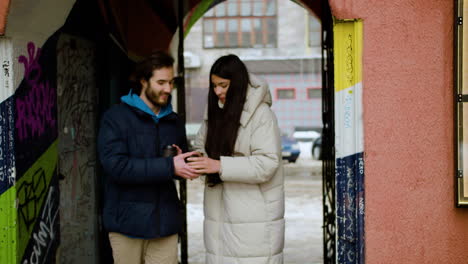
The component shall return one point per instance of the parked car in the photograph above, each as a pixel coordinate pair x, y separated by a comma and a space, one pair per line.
317, 149
290, 148
191, 129
306, 134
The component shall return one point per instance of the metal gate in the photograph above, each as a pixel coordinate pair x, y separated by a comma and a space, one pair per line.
328, 139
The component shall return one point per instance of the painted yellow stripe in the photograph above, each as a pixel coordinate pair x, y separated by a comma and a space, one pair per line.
347, 47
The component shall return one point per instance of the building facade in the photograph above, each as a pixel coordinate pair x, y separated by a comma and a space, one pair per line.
278, 40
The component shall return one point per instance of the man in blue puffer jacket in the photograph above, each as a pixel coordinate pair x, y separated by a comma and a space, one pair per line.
141, 205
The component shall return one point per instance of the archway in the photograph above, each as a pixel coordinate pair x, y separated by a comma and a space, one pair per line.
111, 36
270, 68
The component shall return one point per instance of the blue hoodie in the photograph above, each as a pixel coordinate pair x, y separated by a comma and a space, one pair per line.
134, 100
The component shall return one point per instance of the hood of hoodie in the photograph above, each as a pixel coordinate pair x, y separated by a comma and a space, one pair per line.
257, 93
134, 100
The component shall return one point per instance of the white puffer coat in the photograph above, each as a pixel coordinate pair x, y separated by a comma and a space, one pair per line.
244, 216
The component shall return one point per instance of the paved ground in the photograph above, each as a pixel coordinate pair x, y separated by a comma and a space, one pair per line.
303, 239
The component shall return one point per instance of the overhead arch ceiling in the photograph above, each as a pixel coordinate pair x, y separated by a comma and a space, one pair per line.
142, 26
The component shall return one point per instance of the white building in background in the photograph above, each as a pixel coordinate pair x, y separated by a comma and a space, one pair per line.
277, 39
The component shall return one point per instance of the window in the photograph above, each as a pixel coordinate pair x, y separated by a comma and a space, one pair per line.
285, 93
461, 112
314, 92
315, 31
240, 24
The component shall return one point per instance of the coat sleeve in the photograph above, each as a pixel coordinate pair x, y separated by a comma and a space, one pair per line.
181, 142
199, 144
265, 155
120, 167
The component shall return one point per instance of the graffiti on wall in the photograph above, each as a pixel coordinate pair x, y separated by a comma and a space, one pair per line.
7, 158
35, 105
45, 236
36, 109
38, 203
77, 104
6, 65
36, 156
30, 195
7, 180
349, 144
350, 210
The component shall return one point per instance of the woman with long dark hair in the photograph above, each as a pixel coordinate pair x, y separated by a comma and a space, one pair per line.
244, 192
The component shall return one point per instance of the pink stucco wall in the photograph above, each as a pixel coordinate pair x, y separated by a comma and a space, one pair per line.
408, 126
4, 4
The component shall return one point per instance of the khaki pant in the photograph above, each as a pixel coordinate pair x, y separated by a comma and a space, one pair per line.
126, 250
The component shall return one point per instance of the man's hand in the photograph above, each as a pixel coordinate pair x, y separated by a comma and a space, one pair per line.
182, 169
204, 165
179, 151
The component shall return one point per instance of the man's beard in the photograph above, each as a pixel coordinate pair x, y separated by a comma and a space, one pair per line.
154, 97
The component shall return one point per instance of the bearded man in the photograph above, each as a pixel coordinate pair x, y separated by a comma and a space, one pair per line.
141, 208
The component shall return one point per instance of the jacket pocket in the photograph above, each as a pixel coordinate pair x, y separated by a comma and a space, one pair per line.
243, 203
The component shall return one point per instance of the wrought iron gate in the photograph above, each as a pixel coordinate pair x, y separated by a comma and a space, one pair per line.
328, 139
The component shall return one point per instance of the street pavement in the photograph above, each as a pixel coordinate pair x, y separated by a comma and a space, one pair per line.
303, 236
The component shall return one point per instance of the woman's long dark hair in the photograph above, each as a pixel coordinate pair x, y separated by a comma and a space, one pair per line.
223, 123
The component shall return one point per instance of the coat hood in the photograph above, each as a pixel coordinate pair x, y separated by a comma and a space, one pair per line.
257, 93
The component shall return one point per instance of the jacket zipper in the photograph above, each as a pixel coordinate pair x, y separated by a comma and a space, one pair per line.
158, 152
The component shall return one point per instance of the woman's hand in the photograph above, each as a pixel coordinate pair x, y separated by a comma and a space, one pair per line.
204, 165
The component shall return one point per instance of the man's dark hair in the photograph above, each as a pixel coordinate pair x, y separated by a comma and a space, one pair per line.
223, 123
144, 69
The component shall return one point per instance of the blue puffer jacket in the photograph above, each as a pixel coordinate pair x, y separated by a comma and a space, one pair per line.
140, 197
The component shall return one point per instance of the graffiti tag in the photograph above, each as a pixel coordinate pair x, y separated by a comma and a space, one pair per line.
30, 194
44, 237
7, 168
35, 110
6, 68
349, 60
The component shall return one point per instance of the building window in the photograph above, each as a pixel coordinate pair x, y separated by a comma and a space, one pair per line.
314, 92
285, 93
315, 31
241, 24
461, 96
